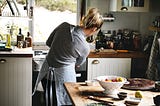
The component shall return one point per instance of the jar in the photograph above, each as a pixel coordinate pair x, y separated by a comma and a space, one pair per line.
136, 42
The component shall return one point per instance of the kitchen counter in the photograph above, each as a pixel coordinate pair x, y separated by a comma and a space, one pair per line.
115, 54
16, 76
16, 52
79, 93
137, 69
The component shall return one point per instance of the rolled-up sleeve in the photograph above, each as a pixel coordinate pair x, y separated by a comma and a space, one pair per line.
80, 61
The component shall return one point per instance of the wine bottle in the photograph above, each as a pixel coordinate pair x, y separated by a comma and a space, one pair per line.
20, 36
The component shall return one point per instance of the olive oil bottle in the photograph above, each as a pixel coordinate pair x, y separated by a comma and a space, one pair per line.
8, 39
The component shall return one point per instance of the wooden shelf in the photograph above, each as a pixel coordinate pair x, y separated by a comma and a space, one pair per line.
151, 28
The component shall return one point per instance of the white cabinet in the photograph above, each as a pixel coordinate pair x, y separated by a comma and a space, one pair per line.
129, 5
16, 81
108, 66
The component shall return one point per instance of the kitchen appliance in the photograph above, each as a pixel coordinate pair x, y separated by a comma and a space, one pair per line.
81, 73
38, 58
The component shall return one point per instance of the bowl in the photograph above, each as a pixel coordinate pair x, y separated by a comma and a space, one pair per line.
156, 100
122, 95
90, 82
111, 84
132, 101
157, 85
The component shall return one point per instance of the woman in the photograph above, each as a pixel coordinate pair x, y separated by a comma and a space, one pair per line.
68, 49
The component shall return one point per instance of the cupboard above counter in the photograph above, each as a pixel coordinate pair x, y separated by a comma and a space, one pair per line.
129, 5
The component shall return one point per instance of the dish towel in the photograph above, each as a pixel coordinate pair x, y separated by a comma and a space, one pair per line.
152, 70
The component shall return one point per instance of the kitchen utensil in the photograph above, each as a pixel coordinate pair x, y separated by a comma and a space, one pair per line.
100, 100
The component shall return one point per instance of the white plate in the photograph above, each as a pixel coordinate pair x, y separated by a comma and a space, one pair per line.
133, 100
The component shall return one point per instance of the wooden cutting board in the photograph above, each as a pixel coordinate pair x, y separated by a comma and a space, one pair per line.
139, 84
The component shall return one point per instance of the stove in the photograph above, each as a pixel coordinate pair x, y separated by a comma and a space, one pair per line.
38, 58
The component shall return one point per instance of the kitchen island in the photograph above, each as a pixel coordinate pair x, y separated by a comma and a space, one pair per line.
79, 93
16, 77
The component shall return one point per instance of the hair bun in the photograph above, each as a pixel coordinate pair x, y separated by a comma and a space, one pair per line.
92, 19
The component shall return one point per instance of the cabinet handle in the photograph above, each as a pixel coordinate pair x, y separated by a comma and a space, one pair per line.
95, 62
2, 60
124, 8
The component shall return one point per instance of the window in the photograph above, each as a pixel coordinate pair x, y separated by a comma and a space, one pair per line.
12, 17
48, 14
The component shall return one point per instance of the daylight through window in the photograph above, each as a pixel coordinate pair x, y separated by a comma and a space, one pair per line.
48, 14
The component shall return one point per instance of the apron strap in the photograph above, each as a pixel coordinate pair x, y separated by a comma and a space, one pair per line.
49, 79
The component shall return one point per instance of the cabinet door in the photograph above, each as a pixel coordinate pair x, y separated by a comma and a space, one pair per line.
16, 81
129, 5
108, 66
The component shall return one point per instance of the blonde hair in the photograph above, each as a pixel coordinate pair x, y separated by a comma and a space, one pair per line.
92, 19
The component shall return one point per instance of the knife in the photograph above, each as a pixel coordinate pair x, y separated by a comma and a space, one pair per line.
108, 103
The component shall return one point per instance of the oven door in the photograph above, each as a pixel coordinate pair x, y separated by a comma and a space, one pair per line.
81, 73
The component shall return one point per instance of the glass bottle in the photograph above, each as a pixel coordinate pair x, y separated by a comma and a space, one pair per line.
20, 36
8, 39
28, 40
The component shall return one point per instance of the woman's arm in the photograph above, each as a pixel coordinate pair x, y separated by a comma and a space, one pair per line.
80, 61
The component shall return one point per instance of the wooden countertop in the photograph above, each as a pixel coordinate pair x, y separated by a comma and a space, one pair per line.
115, 54
16, 52
78, 97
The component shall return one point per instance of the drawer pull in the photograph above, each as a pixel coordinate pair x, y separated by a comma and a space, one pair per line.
2, 60
95, 62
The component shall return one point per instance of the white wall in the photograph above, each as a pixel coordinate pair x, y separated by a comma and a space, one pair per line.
132, 20
135, 21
